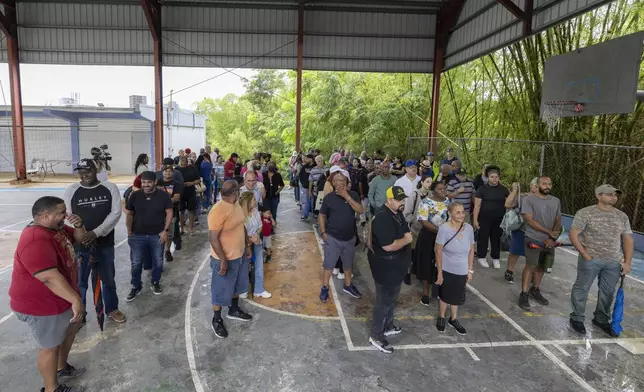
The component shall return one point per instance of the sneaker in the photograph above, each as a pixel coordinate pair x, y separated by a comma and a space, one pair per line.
156, 288
340, 275
218, 328
264, 294
324, 293
336, 271
243, 295
117, 316
424, 300
483, 263
440, 324
177, 246
407, 279
509, 276
64, 388
168, 256
395, 330
578, 326
496, 263
382, 345
524, 301
133, 293
536, 294
69, 372
303, 218
352, 290
457, 326
238, 314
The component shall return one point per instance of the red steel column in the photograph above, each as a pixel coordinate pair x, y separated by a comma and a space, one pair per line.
9, 25
152, 10
436, 97
298, 105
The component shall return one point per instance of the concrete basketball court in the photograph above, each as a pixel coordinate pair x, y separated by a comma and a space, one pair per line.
295, 343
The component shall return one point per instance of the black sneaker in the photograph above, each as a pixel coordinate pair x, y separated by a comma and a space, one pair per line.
536, 294
133, 293
238, 314
509, 276
407, 279
524, 301
218, 328
424, 300
64, 388
177, 246
382, 345
168, 256
156, 288
605, 327
457, 326
352, 290
69, 372
578, 326
440, 324
395, 330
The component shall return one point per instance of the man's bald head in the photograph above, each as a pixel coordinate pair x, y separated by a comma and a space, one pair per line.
229, 188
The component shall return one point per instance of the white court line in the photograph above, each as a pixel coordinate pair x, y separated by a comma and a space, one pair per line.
5, 318
10, 231
576, 254
292, 232
580, 381
290, 209
336, 299
196, 380
302, 316
471, 352
17, 223
561, 350
16, 204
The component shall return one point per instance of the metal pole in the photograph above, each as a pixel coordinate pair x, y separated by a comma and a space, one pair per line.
158, 109
542, 159
436, 92
298, 106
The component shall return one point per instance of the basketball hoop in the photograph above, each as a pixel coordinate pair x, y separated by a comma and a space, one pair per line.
553, 111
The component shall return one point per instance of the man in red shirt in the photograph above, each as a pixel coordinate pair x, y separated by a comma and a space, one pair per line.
44, 291
229, 166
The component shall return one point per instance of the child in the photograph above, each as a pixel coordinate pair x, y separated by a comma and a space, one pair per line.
267, 227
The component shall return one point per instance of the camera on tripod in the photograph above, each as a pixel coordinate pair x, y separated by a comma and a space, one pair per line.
101, 156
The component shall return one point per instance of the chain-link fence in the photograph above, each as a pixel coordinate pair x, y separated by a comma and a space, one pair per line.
576, 169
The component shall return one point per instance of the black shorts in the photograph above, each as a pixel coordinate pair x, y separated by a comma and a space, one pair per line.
188, 200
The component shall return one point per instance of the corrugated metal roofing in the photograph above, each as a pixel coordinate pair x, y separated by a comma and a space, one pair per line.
351, 35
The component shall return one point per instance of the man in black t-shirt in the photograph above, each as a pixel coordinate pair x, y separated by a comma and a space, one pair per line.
337, 222
303, 175
188, 202
174, 189
99, 205
176, 176
148, 220
389, 257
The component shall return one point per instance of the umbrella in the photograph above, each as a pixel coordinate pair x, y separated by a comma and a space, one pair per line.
98, 292
618, 311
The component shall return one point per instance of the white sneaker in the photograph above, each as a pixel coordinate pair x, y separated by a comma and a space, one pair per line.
497, 263
265, 294
336, 271
483, 263
340, 275
243, 295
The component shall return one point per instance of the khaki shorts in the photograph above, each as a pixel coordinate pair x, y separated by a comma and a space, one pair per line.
49, 331
532, 255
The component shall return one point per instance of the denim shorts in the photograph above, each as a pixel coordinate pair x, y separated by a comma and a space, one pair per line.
235, 282
517, 246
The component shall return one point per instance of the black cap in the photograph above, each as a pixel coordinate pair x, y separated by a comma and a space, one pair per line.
168, 161
396, 192
310, 156
461, 171
148, 176
86, 164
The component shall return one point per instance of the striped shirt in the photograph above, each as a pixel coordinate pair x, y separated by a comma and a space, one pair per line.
465, 198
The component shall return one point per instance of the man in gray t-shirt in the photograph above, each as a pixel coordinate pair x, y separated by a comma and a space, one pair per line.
600, 233
542, 215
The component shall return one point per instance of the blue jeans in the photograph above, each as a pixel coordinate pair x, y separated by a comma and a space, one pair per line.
206, 195
104, 258
215, 187
146, 250
305, 200
258, 260
608, 273
296, 188
273, 204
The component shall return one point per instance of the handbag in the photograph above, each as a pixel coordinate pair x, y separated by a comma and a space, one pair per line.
200, 188
512, 220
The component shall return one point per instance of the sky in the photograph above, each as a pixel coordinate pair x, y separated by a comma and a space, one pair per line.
111, 85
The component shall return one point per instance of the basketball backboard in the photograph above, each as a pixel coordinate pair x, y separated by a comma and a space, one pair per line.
598, 79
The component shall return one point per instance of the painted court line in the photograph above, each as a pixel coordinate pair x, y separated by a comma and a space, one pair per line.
336, 299
561, 350
576, 254
471, 352
285, 313
575, 377
10, 231
5, 318
17, 223
292, 232
196, 380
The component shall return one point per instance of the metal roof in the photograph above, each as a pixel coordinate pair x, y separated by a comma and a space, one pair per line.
349, 35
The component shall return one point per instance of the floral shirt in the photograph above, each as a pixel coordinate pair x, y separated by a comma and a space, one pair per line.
433, 211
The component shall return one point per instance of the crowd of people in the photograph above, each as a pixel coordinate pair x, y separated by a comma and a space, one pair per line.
416, 217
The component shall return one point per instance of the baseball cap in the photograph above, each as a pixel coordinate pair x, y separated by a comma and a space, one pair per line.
310, 156
336, 168
168, 161
606, 188
410, 162
294, 154
343, 160
430, 154
188, 151
148, 176
396, 192
86, 164
426, 164
461, 171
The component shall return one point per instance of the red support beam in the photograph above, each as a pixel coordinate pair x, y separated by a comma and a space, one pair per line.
9, 26
298, 104
152, 10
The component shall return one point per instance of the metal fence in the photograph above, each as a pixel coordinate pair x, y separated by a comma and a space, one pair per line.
575, 168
